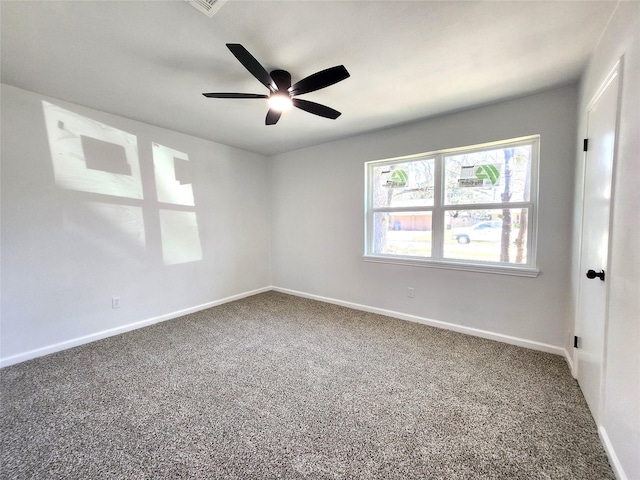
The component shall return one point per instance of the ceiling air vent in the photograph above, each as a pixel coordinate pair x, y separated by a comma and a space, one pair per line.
208, 7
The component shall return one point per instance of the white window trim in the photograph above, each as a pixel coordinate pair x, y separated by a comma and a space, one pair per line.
438, 210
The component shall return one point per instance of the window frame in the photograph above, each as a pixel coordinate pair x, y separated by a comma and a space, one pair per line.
439, 209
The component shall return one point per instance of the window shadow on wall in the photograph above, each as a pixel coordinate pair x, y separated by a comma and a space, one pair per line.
112, 204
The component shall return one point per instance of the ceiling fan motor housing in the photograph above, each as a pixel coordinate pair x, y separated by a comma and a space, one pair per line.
282, 79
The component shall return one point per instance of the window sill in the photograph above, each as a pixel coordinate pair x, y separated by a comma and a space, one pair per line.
453, 265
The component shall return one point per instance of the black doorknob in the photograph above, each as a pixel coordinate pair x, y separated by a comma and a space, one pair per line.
593, 274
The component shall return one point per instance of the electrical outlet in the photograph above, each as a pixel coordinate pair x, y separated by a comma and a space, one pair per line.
115, 302
412, 292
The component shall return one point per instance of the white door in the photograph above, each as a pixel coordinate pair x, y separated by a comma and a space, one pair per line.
592, 298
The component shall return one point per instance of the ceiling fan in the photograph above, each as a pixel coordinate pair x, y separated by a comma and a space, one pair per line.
282, 95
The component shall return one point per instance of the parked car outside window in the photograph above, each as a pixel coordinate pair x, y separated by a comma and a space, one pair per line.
490, 231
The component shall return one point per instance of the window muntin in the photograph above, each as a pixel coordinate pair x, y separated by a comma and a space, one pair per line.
419, 208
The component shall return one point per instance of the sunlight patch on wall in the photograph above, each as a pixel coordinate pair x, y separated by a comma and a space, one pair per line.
90, 156
110, 215
178, 228
173, 175
180, 237
116, 229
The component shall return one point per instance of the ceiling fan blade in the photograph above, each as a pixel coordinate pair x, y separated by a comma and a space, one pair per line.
272, 117
251, 64
320, 80
316, 108
235, 95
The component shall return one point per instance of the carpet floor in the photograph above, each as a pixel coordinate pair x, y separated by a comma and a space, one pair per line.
274, 386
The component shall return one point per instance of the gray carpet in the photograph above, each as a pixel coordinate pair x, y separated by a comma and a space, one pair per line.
275, 386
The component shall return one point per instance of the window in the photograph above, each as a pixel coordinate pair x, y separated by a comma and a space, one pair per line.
471, 208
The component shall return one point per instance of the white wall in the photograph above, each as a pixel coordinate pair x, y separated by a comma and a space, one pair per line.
66, 251
318, 232
620, 409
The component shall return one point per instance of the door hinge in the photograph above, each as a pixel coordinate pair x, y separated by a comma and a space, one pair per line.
585, 144
575, 341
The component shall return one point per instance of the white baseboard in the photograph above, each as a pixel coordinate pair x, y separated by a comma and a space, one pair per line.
74, 342
569, 358
39, 352
521, 342
613, 458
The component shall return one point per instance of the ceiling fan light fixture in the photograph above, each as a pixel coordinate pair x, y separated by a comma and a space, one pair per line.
280, 101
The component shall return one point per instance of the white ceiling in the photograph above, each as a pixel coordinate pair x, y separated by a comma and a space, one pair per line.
151, 60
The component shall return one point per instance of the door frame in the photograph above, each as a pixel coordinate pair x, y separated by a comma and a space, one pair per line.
614, 73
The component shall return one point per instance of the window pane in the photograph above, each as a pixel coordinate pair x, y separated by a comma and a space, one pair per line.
406, 184
402, 233
477, 235
488, 176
